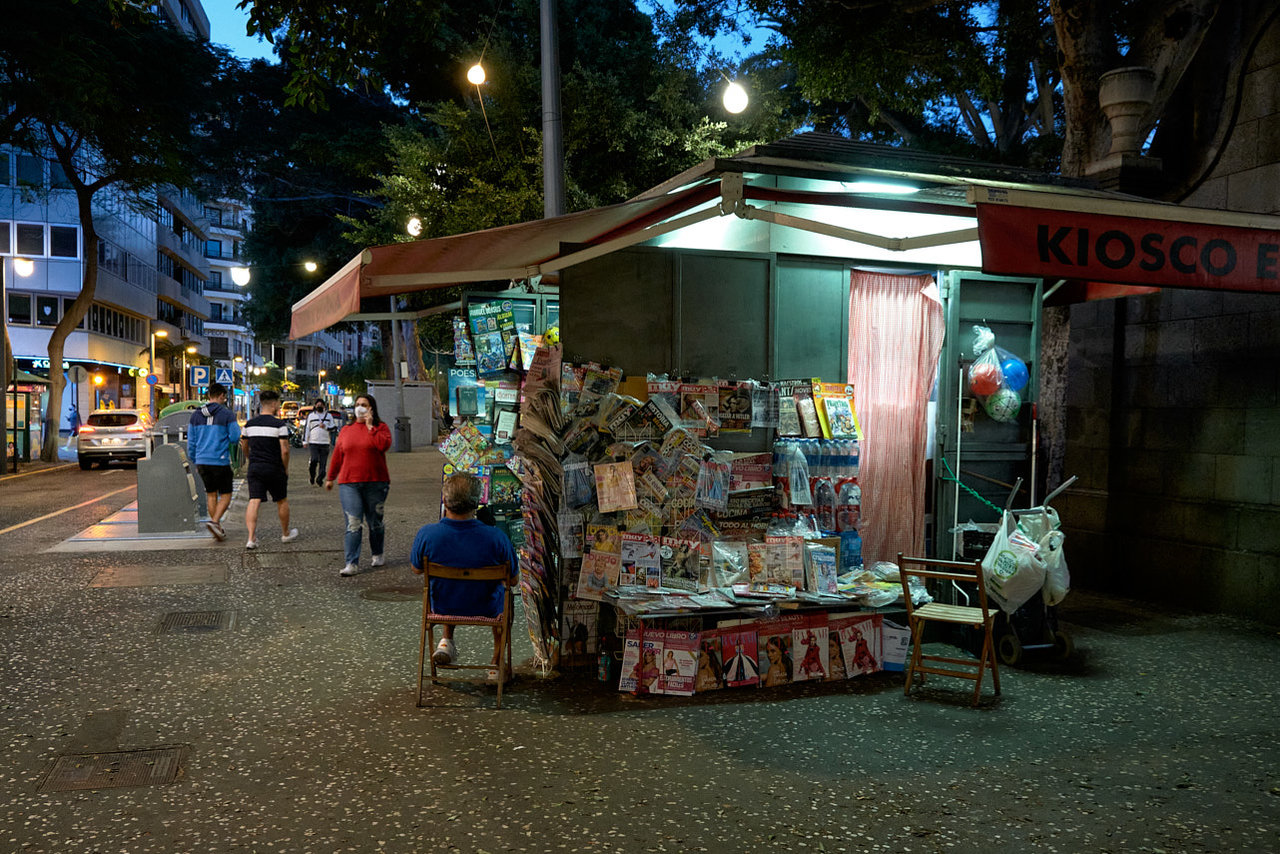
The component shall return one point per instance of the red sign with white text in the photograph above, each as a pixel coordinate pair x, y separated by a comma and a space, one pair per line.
1021, 241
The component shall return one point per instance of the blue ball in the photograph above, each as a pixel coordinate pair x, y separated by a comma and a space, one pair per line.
1015, 373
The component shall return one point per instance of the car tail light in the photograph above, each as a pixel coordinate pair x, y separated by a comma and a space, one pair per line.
86, 429
136, 428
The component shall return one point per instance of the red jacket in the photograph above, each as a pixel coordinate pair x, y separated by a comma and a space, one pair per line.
360, 454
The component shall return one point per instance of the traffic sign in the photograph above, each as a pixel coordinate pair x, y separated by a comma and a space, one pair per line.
152, 379
77, 374
224, 377
199, 375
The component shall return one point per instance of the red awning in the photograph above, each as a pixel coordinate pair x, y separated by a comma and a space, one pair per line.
508, 252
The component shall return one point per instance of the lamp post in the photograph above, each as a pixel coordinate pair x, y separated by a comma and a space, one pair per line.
151, 367
191, 349
320, 382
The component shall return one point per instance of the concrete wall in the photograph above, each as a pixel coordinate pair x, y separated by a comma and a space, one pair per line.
1173, 405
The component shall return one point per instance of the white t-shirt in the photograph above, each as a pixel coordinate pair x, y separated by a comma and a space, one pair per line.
317, 428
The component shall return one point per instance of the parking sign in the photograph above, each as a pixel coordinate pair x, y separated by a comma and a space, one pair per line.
199, 375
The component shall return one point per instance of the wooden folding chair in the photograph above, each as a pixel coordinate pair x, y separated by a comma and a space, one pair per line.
980, 617
430, 619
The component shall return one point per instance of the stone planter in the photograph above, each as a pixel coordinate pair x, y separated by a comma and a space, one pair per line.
1125, 95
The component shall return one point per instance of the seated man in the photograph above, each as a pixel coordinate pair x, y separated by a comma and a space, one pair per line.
461, 540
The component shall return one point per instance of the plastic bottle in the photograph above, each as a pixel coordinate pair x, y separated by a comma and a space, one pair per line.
824, 503
848, 505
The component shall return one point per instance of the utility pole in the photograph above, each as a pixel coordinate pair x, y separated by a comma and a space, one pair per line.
552, 126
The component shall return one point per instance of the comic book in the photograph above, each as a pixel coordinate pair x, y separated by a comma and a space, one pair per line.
504, 487
580, 628
735, 407
678, 667
639, 559
465, 447
859, 642
526, 345
834, 408
774, 648
810, 650
738, 653
599, 574
491, 353
615, 487
680, 563
630, 671
710, 662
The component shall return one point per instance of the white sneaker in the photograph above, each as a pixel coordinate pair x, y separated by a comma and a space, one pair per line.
252, 544
351, 569
445, 652
290, 537
378, 560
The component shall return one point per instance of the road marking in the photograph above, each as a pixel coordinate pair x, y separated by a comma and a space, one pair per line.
65, 510
37, 471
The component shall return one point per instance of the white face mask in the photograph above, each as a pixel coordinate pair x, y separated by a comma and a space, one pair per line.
362, 411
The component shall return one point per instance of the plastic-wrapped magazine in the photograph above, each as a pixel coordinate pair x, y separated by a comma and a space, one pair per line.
728, 563
700, 408
735, 407
811, 653
859, 642
463, 353
639, 561
579, 482
615, 487
570, 525
580, 627
764, 405
785, 560
680, 563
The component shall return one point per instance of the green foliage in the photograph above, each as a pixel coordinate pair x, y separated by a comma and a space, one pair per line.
352, 376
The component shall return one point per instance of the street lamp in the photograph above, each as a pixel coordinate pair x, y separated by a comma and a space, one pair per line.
320, 382
191, 349
151, 367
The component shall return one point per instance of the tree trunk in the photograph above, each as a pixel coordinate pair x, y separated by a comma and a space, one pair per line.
1086, 49
70, 320
411, 350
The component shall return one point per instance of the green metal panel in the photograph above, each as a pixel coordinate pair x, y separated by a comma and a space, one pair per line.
992, 455
811, 304
619, 310
723, 314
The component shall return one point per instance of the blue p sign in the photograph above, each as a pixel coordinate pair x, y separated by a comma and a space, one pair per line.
199, 375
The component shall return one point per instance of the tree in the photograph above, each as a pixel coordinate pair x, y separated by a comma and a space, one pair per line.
79, 86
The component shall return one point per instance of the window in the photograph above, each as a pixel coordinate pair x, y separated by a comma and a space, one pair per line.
215, 279
5, 180
58, 176
214, 215
216, 311
66, 307
20, 309
30, 239
47, 311
30, 171
218, 348
213, 248
6, 244
64, 241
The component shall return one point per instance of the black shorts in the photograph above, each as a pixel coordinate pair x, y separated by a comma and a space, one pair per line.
217, 479
261, 482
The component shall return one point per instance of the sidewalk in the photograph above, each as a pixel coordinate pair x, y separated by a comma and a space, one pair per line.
290, 702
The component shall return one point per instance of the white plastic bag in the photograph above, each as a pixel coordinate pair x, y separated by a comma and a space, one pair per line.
1012, 570
1057, 580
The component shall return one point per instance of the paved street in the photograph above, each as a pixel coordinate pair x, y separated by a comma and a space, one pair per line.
302, 733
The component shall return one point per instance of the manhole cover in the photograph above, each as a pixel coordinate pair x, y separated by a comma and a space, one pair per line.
160, 576
148, 767
393, 594
191, 622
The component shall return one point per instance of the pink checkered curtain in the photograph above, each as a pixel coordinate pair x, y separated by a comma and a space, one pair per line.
895, 335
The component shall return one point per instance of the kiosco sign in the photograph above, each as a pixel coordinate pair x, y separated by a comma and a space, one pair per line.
1071, 245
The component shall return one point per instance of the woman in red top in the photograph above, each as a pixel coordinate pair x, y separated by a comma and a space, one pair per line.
359, 465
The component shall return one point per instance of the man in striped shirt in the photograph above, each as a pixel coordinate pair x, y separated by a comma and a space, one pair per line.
265, 443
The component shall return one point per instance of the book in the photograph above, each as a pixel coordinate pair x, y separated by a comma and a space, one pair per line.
580, 628
811, 651
504, 426
505, 488
678, 668
738, 653
639, 560
790, 393
464, 378
615, 487
710, 663
834, 407
599, 574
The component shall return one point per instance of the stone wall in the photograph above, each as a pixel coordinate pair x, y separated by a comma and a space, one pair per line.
1173, 407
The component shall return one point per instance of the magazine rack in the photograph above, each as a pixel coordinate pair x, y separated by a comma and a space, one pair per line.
430, 619
981, 617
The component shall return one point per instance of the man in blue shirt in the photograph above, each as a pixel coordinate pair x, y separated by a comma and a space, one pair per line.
210, 435
460, 540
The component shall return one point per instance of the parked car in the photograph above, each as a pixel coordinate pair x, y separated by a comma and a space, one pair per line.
113, 434
289, 410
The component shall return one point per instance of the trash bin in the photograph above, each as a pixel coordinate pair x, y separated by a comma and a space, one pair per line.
402, 437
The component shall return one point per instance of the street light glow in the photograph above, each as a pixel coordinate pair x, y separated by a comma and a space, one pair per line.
735, 98
24, 267
475, 74
309, 266
240, 275
414, 227
161, 333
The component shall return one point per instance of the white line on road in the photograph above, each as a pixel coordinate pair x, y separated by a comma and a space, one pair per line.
65, 510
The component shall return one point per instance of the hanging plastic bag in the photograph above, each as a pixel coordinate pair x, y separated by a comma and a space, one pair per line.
1057, 580
798, 476
983, 339
1012, 570
985, 377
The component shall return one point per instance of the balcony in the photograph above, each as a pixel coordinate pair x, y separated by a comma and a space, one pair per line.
169, 290
190, 252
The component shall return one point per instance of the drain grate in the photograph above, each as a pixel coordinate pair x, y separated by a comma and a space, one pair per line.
160, 576
393, 594
153, 766
191, 622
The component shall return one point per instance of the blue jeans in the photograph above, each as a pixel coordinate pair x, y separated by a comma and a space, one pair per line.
361, 502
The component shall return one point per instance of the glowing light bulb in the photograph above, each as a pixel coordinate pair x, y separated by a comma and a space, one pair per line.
475, 74
735, 98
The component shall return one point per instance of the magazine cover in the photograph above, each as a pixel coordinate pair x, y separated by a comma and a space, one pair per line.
491, 353
493, 316
680, 559
821, 566
700, 408
809, 423
835, 399
663, 391
860, 644
571, 377
580, 628
570, 525
750, 471
679, 663
599, 574
811, 650
710, 663
790, 392
650, 657
615, 487
764, 405
463, 354
598, 382
631, 669
835, 654
504, 488
639, 555
504, 427
735, 407
784, 557
738, 651
774, 648
603, 538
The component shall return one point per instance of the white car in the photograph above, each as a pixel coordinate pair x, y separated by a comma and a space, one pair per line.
113, 434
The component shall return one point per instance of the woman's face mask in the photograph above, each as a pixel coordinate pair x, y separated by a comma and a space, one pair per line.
362, 411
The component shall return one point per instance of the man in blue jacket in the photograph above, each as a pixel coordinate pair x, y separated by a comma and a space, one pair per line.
210, 435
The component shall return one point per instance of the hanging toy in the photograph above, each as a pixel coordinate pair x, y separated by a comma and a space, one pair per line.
1014, 371
1004, 405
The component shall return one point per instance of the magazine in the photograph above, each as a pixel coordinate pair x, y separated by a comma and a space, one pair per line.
504, 488
790, 393
569, 523
580, 628
738, 652
649, 671
859, 643
463, 354
678, 667
639, 560
784, 559
615, 487
493, 316
735, 407
664, 391
710, 663
700, 408
599, 574
571, 377
834, 406
491, 353
680, 563
631, 670
603, 538
764, 405
821, 566
809, 422
811, 650
504, 428
750, 471
774, 648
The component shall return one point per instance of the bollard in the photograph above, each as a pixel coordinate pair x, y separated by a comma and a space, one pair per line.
402, 434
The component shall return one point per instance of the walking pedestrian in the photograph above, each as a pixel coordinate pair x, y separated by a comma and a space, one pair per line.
315, 435
210, 434
265, 444
359, 466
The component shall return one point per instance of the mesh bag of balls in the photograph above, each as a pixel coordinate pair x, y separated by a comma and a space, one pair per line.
997, 378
